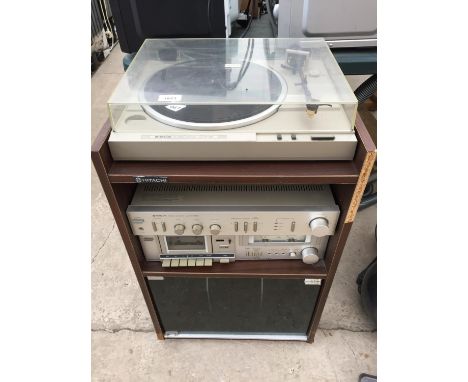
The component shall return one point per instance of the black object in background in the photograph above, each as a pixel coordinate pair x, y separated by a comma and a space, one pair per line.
367, 287
137, 20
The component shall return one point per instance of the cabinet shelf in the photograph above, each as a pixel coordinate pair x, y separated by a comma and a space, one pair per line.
325, 172
348, 180
247, 268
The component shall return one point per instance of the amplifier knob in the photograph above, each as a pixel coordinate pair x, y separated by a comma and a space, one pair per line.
319, 227
179, 229
310, 255
215, 229
197, 229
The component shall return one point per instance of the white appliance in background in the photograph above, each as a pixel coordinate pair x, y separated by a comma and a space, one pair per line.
231, 13
343, 24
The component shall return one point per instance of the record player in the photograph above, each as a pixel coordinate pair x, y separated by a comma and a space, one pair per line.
233, 99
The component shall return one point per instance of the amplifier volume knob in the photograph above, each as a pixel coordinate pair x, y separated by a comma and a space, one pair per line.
179, 229
215, 229
197, 229
319, 227
310, 255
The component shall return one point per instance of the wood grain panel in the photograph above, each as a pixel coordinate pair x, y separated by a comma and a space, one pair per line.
246, 268
246, 172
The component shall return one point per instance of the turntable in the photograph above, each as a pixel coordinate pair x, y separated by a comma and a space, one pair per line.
233, 99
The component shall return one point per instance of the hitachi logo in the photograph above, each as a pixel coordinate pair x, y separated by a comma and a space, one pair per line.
151, 179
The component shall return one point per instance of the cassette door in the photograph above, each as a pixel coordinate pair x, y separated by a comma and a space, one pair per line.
261, 308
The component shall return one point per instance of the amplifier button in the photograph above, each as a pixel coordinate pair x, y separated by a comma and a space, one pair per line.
179, 229
197, 229
215, 229
319, 227
310, 255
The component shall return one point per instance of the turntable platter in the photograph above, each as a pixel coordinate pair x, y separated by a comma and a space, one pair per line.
202, 77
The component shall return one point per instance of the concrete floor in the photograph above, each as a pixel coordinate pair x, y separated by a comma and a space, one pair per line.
124, 345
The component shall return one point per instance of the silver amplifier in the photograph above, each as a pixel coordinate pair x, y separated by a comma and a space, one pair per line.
183, 225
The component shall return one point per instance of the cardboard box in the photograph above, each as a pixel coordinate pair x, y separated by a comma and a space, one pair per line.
243, 6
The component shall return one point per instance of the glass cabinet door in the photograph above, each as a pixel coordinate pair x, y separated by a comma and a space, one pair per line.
234, 307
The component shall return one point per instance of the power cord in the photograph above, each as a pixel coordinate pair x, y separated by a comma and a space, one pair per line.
107, 22
249, 13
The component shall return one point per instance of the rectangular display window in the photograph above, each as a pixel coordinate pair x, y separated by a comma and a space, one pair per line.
280, 239
185, 243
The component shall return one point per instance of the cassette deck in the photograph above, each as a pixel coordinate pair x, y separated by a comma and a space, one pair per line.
198, 225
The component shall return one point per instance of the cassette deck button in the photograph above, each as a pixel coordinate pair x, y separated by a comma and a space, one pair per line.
208, 262
174, 263
166, 263
183, 263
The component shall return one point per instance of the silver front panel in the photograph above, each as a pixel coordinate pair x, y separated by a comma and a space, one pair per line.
326, 136
129, 146
246, 222
151, 247
242, 247
231, 222
250, 249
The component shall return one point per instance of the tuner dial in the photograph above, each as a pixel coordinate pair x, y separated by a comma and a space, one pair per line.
310, 255
197, 229
215, 229
179, 229
319, 227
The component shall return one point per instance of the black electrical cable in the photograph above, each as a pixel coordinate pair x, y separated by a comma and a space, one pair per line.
368, 201
366, 89
245, 64
249, 13
362, 93
208, 11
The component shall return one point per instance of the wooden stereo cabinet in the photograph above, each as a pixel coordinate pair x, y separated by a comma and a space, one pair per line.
347, 179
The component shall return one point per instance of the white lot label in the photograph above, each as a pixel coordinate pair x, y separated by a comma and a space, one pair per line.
232, 65
169, 98
175, 108
312, 281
